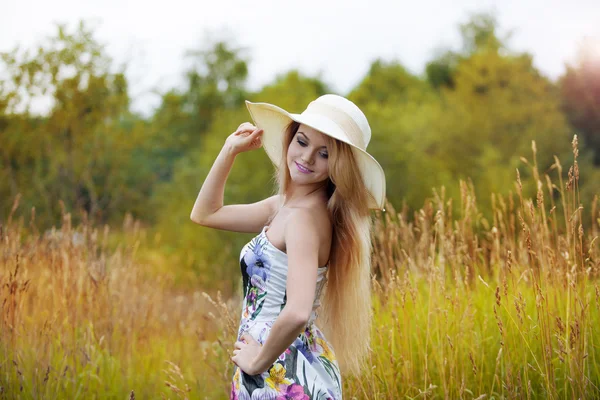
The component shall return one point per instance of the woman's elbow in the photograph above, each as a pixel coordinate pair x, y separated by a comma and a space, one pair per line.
298, 317
198, 218
194, 218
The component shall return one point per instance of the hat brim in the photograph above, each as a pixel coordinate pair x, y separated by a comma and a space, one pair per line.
273, 121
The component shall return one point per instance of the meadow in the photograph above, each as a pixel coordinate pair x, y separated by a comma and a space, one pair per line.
465, 306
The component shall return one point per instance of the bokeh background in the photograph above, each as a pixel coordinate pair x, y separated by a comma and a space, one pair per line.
485, 117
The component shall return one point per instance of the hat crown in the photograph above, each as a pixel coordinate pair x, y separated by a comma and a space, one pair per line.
343, 109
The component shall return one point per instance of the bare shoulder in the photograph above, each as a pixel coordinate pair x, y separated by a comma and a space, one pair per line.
310, 226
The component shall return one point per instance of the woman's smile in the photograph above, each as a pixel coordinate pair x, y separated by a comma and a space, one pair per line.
302, 169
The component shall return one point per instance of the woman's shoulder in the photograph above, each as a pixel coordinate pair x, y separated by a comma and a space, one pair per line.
313, 228
311, 219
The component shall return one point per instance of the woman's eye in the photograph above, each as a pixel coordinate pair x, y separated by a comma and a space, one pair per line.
324, 155
301, 143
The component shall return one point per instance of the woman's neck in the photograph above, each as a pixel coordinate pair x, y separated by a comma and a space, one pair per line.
296, 194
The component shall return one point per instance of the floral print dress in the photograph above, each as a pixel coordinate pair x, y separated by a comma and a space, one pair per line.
308, 368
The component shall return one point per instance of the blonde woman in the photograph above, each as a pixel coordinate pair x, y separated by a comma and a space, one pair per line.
312, 251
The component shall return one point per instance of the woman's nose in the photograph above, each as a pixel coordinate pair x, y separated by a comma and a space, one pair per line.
307, 158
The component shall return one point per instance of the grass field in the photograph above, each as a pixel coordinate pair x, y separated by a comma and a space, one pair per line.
464, 306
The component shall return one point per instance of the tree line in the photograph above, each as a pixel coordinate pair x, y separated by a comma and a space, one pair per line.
472, 115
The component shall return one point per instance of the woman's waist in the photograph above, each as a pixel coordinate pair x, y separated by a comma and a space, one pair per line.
260, 327
266, 314
269, 318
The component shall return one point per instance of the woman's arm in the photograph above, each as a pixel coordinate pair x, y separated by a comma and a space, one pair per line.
208, 209
210, 198
302, 245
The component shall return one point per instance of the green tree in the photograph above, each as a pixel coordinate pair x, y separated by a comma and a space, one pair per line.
480, 33
399, 107
387, 83
440, 70
489, 105
84, 150
499, 105
215, 83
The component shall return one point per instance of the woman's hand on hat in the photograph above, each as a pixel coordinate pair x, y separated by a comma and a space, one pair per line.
247, 137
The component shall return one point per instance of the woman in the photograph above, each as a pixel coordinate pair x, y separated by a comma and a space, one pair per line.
313, 242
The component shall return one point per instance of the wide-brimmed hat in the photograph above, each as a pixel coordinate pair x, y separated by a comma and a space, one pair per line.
331, 115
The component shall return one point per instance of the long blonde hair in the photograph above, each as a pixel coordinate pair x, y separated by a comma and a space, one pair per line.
345, 315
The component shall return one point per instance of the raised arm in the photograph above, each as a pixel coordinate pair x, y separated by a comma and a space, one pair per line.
209, 210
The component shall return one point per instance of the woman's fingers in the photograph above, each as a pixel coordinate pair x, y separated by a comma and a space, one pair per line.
254, 138
243, 132
246, 139
249, 135
248, 339
238, 345
246, 126
257, 133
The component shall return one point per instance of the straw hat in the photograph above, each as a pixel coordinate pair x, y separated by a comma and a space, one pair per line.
331, 115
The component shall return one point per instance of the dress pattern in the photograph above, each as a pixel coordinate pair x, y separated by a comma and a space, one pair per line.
307, 369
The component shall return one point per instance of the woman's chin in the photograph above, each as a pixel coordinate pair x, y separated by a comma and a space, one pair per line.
299, 180
302, 179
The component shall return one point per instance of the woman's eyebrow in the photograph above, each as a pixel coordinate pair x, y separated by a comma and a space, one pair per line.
306, 137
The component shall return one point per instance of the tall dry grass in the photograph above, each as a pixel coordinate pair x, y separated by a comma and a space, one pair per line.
464, 306
84, 318
473, 308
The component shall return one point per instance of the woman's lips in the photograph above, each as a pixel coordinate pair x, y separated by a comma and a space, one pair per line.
302, 169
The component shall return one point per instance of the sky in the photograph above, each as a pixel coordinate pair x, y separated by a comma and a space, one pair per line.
336, 40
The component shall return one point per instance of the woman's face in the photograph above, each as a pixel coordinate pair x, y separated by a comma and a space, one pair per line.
307, 156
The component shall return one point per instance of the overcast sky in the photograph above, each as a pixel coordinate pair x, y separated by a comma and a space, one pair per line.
337, 39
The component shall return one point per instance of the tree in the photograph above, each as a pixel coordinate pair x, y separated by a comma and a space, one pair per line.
440, 71
499, 105
215, 82
489, 105
387, 83
399, 106
478, 34
580, 92
84, 150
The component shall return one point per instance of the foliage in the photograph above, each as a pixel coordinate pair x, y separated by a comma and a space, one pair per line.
76, 153
463, 307
580, 95
215, 83
472, 116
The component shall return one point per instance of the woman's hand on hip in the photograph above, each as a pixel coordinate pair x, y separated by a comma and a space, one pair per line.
245, 353
247, 137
